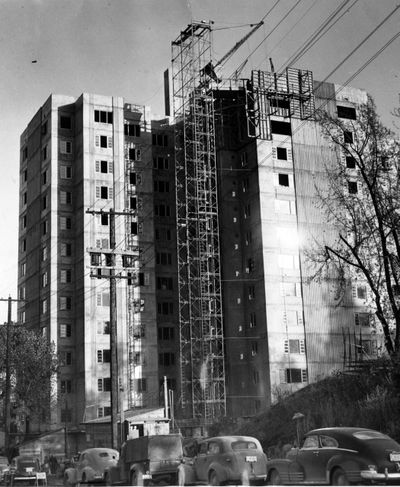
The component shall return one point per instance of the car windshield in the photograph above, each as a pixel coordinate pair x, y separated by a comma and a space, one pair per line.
370, 435
244, 445
103, 454
26, 463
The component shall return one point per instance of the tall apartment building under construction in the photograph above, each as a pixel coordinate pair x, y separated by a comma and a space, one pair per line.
212, 211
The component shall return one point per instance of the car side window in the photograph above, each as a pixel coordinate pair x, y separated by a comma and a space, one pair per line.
203, 448
310, 442
328, 442
213, 448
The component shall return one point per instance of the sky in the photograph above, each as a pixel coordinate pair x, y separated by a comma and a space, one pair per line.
122, 47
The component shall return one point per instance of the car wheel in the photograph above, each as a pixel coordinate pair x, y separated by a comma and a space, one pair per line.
339, 477
214, 480
275, 478
107, 479
137, 478
68, 482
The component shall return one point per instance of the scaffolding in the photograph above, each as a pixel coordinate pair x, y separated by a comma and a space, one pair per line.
288, 94
202, 362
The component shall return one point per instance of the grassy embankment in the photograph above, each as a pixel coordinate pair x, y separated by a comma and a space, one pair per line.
368, 398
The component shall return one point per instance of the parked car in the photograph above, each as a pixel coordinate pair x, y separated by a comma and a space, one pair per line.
225, 459
3, 467
147, 459
339, 456
91, 465
22, 469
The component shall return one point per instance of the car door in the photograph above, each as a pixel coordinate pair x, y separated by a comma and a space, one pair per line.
311, 461
200, 463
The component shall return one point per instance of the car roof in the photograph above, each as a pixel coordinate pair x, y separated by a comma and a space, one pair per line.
341, 430
230, 438
99, 450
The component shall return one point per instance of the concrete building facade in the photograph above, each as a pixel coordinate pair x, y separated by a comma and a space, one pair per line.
82, 158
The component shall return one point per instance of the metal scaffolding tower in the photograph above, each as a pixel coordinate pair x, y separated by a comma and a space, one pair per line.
199, 279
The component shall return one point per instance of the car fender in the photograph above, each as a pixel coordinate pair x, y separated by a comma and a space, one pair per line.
186, 472
222, 472
284, 466
71, 476
347, 462
89, 473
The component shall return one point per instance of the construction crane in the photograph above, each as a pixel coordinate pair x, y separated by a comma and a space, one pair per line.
209, 68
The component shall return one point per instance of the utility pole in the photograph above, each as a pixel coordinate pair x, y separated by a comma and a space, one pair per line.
112, 277
7, 388
113, 338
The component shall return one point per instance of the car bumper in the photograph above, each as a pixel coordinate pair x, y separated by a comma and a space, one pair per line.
386, 476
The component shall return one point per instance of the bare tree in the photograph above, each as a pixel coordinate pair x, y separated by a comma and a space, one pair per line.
362, 200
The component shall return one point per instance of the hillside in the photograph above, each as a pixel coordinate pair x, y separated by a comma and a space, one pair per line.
368, 397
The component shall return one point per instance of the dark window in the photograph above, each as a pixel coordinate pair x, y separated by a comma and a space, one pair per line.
103, 141
163, 258
65, 122
104, 166
352, 185
104, 192
132, 200
293, 375
107, 384
133, 130
282, 128
283, 179
350, 162
95, 258
141, 385
160, 139
167, 359
164, 283
166, 333
165, 308
103, 116
132, 178
348, 137
281, 153
346, 112
66, 387
134, 228
280, 103
141, 279
104, 219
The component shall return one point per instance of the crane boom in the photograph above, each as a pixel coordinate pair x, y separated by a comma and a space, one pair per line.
239, 43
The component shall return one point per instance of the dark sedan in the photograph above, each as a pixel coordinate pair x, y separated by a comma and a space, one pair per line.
339, 456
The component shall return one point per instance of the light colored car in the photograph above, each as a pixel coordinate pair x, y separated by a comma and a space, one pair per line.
91, 466
221, 460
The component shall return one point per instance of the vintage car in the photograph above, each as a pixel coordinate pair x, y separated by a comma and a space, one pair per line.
339, 456
91, 466
224, 459
23, 469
